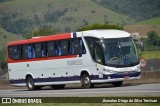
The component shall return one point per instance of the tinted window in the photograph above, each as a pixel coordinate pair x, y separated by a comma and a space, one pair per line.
14, 52
82, 48
38, 50
28, 51
91, 43
75, 46
64, 47
25, 51
51, 49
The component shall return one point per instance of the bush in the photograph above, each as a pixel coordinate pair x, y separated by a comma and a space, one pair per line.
100, 26
152, 42
44, 31
3, 58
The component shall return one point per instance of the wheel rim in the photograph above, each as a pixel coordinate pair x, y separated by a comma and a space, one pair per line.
30, 84
86, 81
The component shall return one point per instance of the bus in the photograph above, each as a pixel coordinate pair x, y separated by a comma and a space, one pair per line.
87, 58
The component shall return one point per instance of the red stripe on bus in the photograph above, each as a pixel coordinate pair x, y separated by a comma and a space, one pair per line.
42, 39
41, 59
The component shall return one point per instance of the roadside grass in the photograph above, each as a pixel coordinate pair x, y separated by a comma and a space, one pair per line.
149, 54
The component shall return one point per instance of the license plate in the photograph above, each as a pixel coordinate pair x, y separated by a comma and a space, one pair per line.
126, 77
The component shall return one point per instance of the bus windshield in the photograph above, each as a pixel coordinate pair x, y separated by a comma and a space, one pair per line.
120, 52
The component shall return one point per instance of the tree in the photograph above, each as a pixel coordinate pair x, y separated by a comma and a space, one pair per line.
152, 38
153, 41
44, 31
3, 59
100, 26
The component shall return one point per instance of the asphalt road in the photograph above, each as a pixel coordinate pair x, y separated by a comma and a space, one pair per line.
134, 90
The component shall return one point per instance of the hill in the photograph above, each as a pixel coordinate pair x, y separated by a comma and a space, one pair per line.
143, 27
152, 21
21, 16
136, 9
6, 37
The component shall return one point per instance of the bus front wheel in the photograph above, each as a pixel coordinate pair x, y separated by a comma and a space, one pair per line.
86, 81
30, 84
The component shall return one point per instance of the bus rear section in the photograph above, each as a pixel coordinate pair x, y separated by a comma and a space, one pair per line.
87, 58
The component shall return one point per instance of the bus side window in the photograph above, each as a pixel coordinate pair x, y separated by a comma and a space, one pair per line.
76, 46
71, 50
43, 45
14, 52
58, 48
31, 51
90, 43
38, 50
82, 48
64, 47
51, 49
98, 55
24, 51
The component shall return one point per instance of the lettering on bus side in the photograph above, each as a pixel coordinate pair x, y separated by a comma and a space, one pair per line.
74, 62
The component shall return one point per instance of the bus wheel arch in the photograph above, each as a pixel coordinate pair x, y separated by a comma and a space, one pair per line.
86, 80
30, 83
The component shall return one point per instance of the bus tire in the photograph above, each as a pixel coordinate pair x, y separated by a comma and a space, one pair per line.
30, 83
117, 84
86, 81
58, 86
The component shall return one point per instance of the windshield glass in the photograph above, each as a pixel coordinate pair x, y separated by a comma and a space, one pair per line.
120, 52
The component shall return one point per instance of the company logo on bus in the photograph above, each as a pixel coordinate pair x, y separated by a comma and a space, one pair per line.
74, 62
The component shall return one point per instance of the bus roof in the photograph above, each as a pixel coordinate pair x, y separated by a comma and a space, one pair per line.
41, 39
110, 33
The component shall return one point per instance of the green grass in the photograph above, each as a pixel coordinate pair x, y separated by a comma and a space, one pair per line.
149, 54
152, 21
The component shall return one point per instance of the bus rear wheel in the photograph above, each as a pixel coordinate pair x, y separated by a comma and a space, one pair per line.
117, 84
86, 81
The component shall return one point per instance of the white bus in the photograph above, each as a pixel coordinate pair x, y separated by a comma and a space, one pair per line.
88, 58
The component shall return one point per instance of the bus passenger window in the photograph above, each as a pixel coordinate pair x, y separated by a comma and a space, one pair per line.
38, 50
14, 52
43, 49
24, 51
75, 46
82, 48
51, 49
90, 41
59, 49
31, 51
64, 46
71, 50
